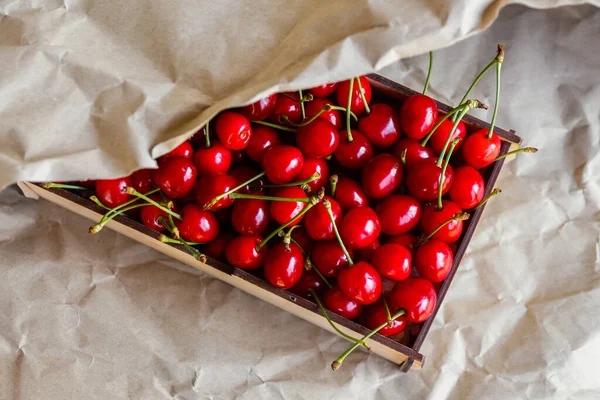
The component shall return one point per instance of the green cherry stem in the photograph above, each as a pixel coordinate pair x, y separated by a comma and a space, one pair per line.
272, 198
231, 192
166, 224
274, 126
99, 203
207, 130
428, 72
166, 239
522, 150
127, 203
301, 183
444, 167
327, 206
403, 157
493, 193
287, 239
325, 108
302, 104
333, 180
362, 96
459, 216
130, 190
437, 125
497, 102
348, 106
388, 314
171, 227
52, 185
98, 227
188, 246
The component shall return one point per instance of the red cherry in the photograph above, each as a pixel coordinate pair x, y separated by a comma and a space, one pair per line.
243, 174
353, 154
366, 253
416, 296
233, 130
361, 283
438, 139
406, 239
356, 104
418, 115
141, 180
392, 261
198, 139
432, 218
216, 248
382, 176
282, 163
197, 225
314, 107
260, 109
318, 139
184, 150
241, 252
111, 193
415, 153
334, 300
349, 194
310, 166
468, 187
381, 126
433, 260
283, 268
250, 216
318, 223
377, 316
263, 138
214, 160
301, 237
329, 258
323, 90
309, 280
175, 176
423, 180
284, 106
398, 214
210, 186
284, 211
238, 157
479, 151
150, 215
360, 227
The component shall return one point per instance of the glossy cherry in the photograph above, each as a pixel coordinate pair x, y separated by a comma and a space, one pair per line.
323, 90
151, 215
185, 150
381, 126
309, 280
233, 130
468, 187
250, 216
241, 252
260, 109
334, 300
366, 253
433, 260
382, 176
284, 267
361, 283
282, 163
243, 174
353, 154
349, 194
310, 166
175, 176
318, 139
213, 160
216, 248
314, 107
479, 151
141, 180
377, 316
285, 106
418, 115
415, 153
197, 225
356, 104
111, 193
392, 261
238, 157
423, 180
210, 186
414, 295
433, 218
398, 214
284, 211
301, 237
263, 138
360, 227
329, 258
406, 239
438, 139
318, 223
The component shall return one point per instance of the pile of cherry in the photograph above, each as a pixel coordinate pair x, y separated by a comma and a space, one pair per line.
330, 193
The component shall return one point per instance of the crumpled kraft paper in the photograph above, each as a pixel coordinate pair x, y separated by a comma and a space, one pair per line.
92, 88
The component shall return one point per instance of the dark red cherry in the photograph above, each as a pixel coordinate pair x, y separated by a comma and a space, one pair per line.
141, 180
111, 192
360, 227
381, 126
314, 107
250, 216
377, 316
151, 215
214, 160
175, 176
285, 211
398, 214
438, 139
197, 225
432, 218
233, 130
323, 90
418, 115
239, 157
285, 106
284, 267
210, 186
260, 109
184, 150
361, 283
414, 295
356, 104
318, 139
392, 261
382, 176
354, 154
310, 166
282, 163
406, 239
366, 253
433, 260
467, 188
423, 180
198, 139
263, 138
243, 174
334, 300
318, 223
415, 153
479, 151
301, 237
349, 194
309, 280
216, 248
241, 252
329, 258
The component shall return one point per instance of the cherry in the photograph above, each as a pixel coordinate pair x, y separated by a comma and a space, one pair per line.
439, 137
360, 227
406, 239
323, 90
233, 130
197, 225
468, 187
392, 261
479, 151
250, 216
216, 248
241, 252
360, 283
175, 176
334, 300
329, 258
284, 211
357, 105
433, 260
244, 174
353, 153
415, 152
314, 107
238, 157
377, 316
382, 176
185, 150
199, 138
284, 266
309, 280
416, 296
263, 138
349, 194
418, 115
288, 107
141, 180
301, 237
423, 180
213, 160
318, 223
111, 193
366, 253
260, 109
310, 166
432, 218
381, 126
210, 186
398, 214
151, 215
318, 139
282, 163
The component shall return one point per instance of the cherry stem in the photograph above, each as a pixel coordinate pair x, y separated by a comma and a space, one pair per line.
333, 180
444, 167
325, 108
428, 72
231, 192
130, 190
165, 223
52, 185
348, 106
493, 193
98, 227
403, 157
287, 239
207, 130
166, 239
493, 123
127, 203
338, 362
275, 126
302, 104
327, 205
99, 203
303, 99
522, 150
459, 216
302, 183
273, 198
388, 314
439, 123
188, 245
326, 315
362, 96
172, 228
